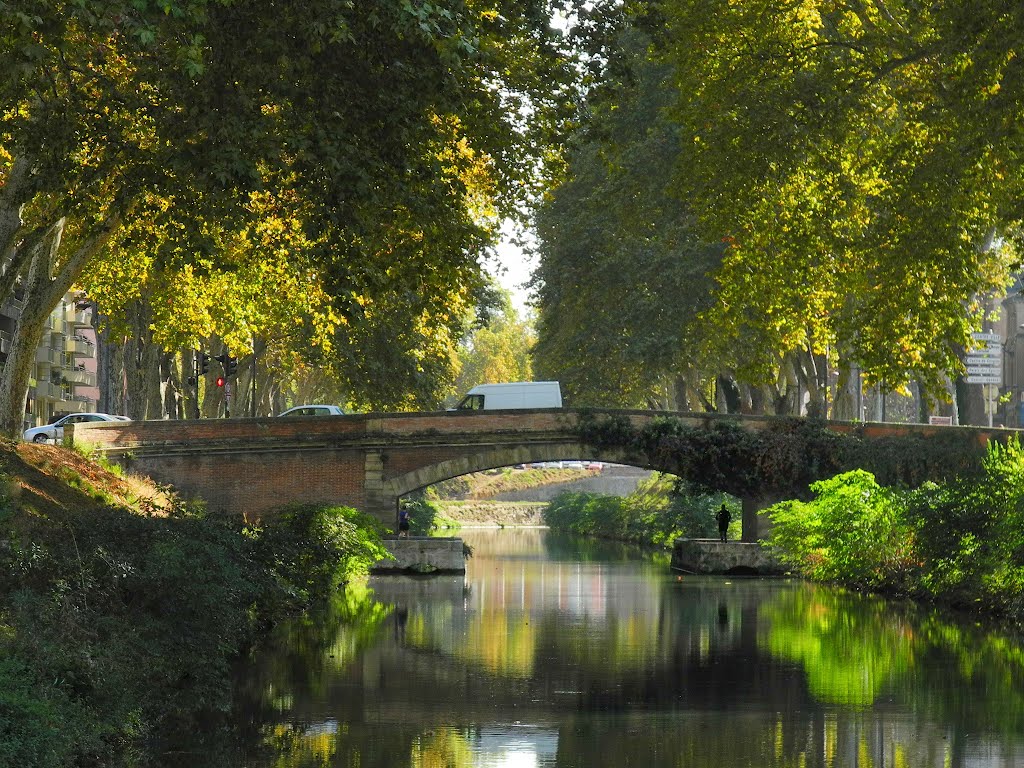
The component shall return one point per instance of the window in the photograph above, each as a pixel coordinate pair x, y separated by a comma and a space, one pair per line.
472, 403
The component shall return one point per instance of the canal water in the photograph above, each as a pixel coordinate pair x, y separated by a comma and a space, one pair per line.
557, 651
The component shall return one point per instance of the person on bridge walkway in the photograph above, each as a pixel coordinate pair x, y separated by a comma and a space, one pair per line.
403, 523
724, 518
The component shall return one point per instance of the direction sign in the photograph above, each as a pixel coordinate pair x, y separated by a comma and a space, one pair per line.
984, 378
986, 337
984, 362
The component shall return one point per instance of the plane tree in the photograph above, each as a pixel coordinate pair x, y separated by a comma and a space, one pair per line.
622, 277
113, 106
862, 162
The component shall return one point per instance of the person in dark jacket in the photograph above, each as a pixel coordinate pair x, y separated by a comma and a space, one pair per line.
724, 518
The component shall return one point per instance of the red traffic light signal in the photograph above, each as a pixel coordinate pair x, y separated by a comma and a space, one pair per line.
220, 381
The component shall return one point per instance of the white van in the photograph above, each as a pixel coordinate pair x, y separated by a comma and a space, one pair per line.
517, 394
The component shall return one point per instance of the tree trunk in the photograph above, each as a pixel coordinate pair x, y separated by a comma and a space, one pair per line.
680, 393
21, 359
15, 192
213, 396
728, 394
758, 400
171, 387
45, 287
110, 374
787, 393
845, 406
189, 391
142, 365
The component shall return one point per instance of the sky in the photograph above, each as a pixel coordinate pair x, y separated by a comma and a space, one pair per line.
516, 268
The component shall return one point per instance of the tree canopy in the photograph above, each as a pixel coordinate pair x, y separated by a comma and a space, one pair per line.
856, 166
862, 160
380, 138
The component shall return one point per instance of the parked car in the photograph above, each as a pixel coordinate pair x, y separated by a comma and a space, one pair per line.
313, 410
55, 431
572, 465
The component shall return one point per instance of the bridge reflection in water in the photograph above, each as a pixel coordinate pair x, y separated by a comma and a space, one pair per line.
556, 651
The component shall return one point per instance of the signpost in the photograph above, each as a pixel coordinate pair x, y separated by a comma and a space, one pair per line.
985, 367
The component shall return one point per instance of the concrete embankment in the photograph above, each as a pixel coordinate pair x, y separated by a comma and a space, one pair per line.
497, 513
611, 481
724, 557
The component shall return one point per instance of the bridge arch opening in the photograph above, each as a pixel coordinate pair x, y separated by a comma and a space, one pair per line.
519, 494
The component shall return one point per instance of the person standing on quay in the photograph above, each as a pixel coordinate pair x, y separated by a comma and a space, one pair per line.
724, 518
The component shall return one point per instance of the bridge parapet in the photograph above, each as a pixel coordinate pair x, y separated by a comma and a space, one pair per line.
368, 461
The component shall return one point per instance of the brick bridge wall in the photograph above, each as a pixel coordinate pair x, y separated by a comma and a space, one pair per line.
367, 461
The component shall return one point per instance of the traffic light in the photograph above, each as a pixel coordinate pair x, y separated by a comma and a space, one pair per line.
203, 365
220, 381
232, 366
223, 360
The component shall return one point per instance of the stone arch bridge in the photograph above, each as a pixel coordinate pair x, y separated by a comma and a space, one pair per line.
369, 461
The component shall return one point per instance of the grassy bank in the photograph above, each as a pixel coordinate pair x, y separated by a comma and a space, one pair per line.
656, 514
121, 609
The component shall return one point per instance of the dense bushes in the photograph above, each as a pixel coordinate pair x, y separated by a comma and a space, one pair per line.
118, 629
959, 543
424, 515
657, 513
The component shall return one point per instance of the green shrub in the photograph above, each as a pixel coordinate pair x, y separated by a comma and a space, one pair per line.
970, 536
854, 530
118, 630
424, 515
310, 550
658, 512
34, 721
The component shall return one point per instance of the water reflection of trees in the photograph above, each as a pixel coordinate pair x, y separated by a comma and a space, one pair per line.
636, 669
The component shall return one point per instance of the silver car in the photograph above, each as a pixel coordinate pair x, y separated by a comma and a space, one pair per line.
55, 431
313, 410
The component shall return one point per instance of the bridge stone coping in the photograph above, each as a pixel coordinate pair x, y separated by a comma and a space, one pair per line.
368, 461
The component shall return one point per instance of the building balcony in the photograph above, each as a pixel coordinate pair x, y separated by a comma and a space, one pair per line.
12, 307
78, 318
80, 377
49, 355
5, 342
80, 346
47, 391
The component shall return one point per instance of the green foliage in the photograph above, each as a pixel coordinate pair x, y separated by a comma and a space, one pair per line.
658, 512
867, 189
852, 531
970, 538
785, 456
497, 349
311, 550
33, 729
118, 630
622, 273
424, 515
960, 542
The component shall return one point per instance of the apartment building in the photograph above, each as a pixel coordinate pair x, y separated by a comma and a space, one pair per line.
64, 378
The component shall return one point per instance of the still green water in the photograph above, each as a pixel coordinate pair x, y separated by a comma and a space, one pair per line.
555, 651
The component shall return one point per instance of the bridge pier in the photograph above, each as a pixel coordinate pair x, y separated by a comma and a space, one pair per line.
756, 526
378, 502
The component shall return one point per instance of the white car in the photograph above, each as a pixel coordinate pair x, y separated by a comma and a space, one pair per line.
55, 431
313, 410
